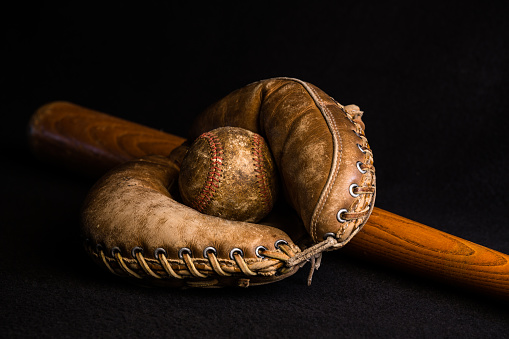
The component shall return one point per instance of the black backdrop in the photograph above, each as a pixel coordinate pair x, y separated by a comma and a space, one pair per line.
431, 78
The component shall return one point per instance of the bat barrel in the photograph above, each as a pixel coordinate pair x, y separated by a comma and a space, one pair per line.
411, 246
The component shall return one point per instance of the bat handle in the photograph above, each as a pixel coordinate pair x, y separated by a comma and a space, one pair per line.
91, 142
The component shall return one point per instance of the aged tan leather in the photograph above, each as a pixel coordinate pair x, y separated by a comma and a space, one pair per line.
317, 144
136, 227
132, 208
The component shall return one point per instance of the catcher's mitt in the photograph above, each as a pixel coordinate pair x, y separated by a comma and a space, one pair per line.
135, 226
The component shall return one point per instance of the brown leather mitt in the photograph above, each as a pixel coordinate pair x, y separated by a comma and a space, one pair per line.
135, 225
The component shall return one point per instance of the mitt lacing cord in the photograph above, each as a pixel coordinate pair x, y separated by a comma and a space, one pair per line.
313, 255
185, 255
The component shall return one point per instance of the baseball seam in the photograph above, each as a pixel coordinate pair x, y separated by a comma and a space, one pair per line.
213, 179
262, 180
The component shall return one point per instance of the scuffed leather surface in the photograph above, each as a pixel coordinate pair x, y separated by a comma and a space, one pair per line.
314, 143
132, 207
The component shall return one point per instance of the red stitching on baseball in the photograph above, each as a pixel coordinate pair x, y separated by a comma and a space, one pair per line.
213, 178
262, 180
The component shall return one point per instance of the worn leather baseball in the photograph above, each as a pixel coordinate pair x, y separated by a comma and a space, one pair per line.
229, 172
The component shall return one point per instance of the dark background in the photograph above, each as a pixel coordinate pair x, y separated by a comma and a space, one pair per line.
431, 78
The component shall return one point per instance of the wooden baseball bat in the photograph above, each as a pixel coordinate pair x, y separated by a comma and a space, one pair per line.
93, 142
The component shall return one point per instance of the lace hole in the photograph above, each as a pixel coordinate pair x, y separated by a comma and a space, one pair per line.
136, 250
330, 234
352, 193
182, 251
340, 217
258, 249
158, 251
236, 250
280, 242
207, 250
114, 251
361, 149
359, 164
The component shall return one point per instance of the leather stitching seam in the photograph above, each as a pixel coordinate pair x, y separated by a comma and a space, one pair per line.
213, 179
262, 181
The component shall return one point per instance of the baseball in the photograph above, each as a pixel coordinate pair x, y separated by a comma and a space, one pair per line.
229, 172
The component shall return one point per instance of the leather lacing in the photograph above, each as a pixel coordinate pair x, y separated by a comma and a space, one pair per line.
190, 267
367, 187
270, 263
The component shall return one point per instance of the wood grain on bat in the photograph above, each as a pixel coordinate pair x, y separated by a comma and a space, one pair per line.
92, 141
404, 243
